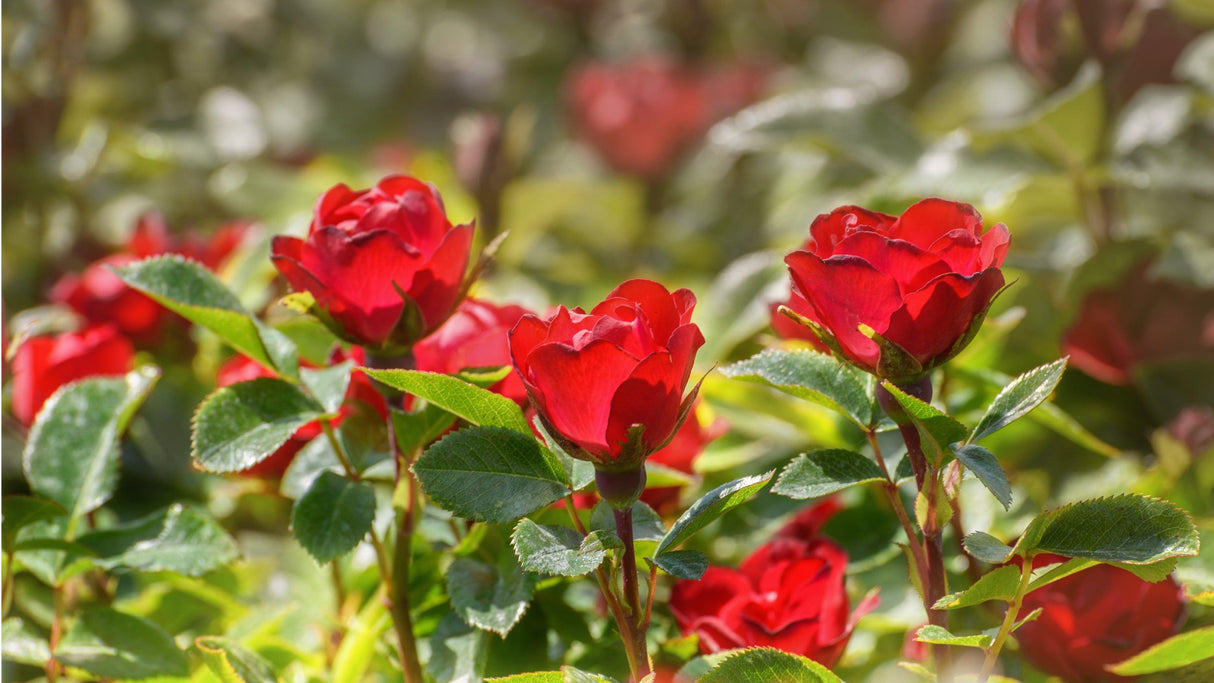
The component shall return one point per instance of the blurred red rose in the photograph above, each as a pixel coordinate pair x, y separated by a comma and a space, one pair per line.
43, 364
922, 281
689, 441
789, 594
1193, 426
385, 265
360, 395
1140, 321
593, 376
475, 336
643, 115
1094, 618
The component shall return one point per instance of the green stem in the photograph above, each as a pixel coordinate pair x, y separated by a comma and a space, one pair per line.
1009, 620
634, 634
919, 567
609, 595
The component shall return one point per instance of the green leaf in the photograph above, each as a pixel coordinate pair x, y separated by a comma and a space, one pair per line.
1180, 650
813, 376
647, 524
988, 470
18, 511
936, 430
490, 474
819, 473
358, 645
194, 292
1019, 398
937, 635
240, 425
472, 403
534, 677
22, 642
109, 643
579, 472
234, 663
1133, 529
767, 665
997, 584
328, 385
488, 597
711, 506
573, 675
419, 428
179, 539
682, 564
72, 453
987, 548
557, 549
333, 516
458, 652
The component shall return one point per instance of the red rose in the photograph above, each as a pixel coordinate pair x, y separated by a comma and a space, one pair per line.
1140, 321
1094, 618
921, 281
360, 395
643, 115
384, 265
43, 364
475, 336
789, 594
691, 438
592, 377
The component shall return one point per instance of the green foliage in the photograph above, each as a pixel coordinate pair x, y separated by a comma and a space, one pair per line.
711, 506
682, 564
490, 597
19, 511
333, 516
987, 548
111, 644
328, 385
820, 473
998, 584
240, 425
458, 651
1133, 529
988, 470
234, 663
814, 377
764, 665
1180, 650
193, 292
559, 550
1018, 398
179, 539
490, 474
467, 401
72, 453
937, 635
647, 524
937, 431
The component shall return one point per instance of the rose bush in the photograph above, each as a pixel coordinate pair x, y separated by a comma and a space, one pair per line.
42, 364
384, 266
788, 594
593, 376
921, 282
1099, 616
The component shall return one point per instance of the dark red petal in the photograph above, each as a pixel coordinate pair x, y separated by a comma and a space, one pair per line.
528, 333
693, 600
655, 300
651, 396
909, 266
934, 318
923, 223
436, 287
846, 291
577, 387
829, 229
961, 250
337, 196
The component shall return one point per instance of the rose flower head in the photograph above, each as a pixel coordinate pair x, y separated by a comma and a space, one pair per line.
788, 594
43, 364
475, 336
384, 266
608, 384
1099, 616
897, 296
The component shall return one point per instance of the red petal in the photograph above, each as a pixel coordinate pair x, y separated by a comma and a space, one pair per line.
934, 318
829, 229
660, 308
909, 266
1097, 342
923, 223
327, 205
437, 285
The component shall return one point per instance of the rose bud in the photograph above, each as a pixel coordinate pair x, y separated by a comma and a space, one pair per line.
1138, 322
608, 385
43, 364
384, 266
1099, 616
360, 395
475, 336
897, 296
788, 594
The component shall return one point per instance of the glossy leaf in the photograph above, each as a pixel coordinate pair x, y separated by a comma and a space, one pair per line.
20, 511
472, 403
813, 376
72, 453
766, 665
458, 651
1180, 650
240, 425
1019, 398
936, 430
328, 385
986, 467
109, 643
558, 550
179, 539
490, 474
820, 473
938, 635
711, 506
489, 597
333, 516
998, 584
1133, 529
987, 548
682, 564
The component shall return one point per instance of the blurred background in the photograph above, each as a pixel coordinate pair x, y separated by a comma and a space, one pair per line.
691, 141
